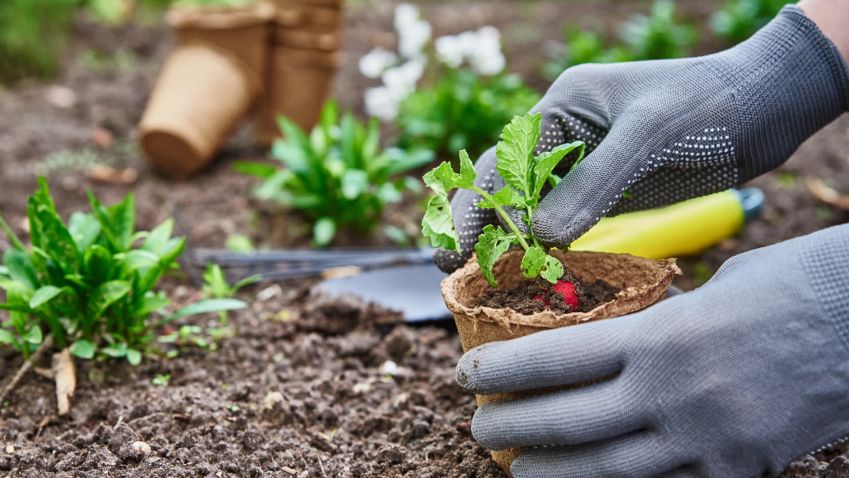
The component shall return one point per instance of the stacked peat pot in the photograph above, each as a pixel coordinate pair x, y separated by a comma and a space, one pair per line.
302, 62
277, 57
642, 282
207, 85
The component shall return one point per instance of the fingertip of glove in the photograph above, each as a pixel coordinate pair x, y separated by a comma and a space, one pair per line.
555, 230
448, 261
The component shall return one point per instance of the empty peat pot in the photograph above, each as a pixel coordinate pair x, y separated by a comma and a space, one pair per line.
642, 281
206, 86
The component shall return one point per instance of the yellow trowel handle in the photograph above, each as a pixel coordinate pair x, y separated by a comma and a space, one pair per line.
685, 228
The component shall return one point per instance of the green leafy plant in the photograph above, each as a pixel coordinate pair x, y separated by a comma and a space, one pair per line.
31, 33
657, 35
462, 109
337, 176
583, 46
215, 286
739, 19
90, 283
526, 175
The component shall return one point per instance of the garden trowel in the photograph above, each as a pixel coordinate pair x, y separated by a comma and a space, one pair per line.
407, 280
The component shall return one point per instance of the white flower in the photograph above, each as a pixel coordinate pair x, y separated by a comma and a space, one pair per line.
373, 64
402, 79
449, 50
405, 16
413, 39
383, 103
490, 64
413, 32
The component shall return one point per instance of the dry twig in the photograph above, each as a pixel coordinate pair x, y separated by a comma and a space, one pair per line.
66, 380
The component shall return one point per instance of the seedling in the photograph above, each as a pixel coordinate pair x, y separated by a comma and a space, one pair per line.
215, 286
91, 283
337, 176
526, 174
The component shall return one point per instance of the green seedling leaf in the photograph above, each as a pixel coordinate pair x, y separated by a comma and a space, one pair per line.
157, 241
134, 356
83, 349
20, 268
507, 197
514, 152
105, 295
6, 337
443, 178
33, 335
49, 233
43, 296
537, 263
323, 231
259, 170
239, 243
98, 262
354, 183
492, 243
553, 270
84, 229
10, 234
206, 306
438, 224
545, 163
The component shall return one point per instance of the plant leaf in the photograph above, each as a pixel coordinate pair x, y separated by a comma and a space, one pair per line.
492, 243
506, 197
438, 224
105, 295
206, 306
20, 267
83, 349
533, 261
545, 163
354, 183
256, 169
134, 356
33, 335
443, 178
44, 295
515, 151
553, 270
323, 231
84, 229
10, 234
6, 337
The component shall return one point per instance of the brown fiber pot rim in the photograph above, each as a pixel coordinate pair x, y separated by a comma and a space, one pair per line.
655, 279
220, 17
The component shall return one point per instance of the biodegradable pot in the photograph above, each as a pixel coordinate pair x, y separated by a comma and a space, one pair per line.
309, 16
206, 86
307, 40
300, 81
642, 282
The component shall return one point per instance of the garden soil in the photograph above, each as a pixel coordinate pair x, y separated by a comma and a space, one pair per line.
304, 388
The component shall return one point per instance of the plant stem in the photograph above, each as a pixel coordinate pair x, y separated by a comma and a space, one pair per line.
512, 225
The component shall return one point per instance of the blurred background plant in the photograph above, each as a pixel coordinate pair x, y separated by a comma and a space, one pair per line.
466, 96
739, 19
658, 35
34, 32
91, 283
337, 176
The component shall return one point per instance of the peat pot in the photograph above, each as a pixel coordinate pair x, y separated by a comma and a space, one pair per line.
642, 282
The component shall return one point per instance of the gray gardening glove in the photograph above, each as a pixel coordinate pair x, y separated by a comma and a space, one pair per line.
669, 130
735, 379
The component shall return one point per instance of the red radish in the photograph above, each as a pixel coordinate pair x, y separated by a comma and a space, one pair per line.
567, 290
542, 300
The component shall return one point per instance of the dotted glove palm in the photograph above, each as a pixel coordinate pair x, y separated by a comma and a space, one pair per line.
669, 130
735, 379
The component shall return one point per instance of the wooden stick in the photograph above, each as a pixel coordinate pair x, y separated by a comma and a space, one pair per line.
66, 380
46, 344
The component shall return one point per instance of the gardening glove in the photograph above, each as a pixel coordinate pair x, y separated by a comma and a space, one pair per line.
662, 131
735, 379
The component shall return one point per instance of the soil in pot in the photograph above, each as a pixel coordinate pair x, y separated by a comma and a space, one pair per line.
534, 296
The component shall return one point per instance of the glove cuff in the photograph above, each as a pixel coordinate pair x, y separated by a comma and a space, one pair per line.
825, 257
790, 81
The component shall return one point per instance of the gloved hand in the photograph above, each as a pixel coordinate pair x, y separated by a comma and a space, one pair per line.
734, 379
669, 130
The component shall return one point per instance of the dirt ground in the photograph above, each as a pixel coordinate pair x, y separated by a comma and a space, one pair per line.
304, 388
